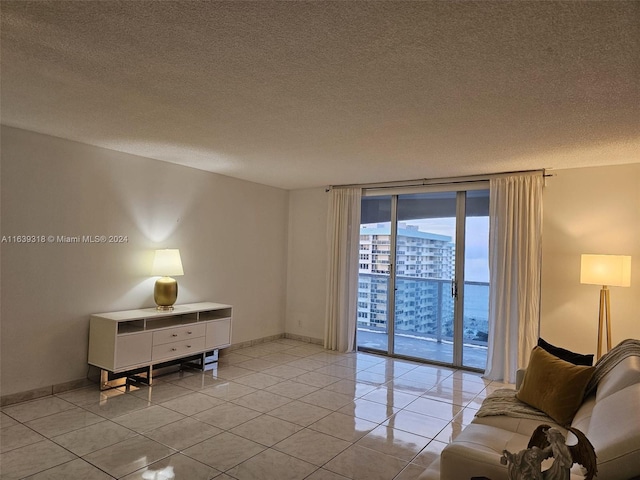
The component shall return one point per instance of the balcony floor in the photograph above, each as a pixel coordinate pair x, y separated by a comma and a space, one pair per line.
474, 356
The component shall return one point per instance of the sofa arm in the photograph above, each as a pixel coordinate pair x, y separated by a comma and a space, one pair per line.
520, 377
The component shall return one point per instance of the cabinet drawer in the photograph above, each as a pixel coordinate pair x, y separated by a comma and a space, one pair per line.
178, 333
182, 348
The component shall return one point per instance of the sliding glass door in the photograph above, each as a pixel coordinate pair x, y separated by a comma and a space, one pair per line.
425, 276
374, 280
423, 289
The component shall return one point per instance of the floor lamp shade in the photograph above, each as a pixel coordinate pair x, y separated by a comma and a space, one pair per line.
166, 264
607, 271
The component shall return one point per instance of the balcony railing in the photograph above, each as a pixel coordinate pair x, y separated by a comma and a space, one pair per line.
433, 319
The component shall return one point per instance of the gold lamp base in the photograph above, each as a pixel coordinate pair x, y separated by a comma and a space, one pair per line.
165, 293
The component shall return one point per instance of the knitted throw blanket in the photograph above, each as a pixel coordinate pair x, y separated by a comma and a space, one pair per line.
626, 348
504, 401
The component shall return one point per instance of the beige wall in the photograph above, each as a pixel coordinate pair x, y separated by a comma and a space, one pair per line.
232, 236
307, 262
589, 210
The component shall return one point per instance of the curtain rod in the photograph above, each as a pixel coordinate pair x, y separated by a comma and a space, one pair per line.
435, 181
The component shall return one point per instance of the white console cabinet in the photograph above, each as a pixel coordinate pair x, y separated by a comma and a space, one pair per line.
138, 339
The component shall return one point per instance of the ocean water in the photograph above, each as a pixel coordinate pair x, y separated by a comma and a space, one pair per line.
476, 302
476, 309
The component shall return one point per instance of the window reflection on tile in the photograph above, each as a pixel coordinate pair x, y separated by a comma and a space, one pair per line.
430, 453
388, 396
449, 432
417, 423
346, 427
368, 410
128, 456
175, 467
397, 443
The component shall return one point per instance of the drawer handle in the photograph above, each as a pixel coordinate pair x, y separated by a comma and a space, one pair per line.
189, 333
173, 349
174, 334
188, 346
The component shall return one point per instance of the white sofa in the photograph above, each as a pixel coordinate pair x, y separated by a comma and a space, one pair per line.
610, 418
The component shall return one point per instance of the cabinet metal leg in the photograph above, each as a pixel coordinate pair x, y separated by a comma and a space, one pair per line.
104, 380
113, 380
109, 380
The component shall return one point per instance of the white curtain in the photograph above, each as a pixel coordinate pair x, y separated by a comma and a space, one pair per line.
515, 238
343, 238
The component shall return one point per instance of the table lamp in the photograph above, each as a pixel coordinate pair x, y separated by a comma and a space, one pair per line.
166, 263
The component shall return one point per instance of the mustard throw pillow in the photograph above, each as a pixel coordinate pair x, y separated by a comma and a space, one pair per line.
554, 386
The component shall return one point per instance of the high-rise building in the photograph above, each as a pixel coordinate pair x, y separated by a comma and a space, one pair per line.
424, 269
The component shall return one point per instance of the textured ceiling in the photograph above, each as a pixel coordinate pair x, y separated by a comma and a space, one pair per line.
300, 94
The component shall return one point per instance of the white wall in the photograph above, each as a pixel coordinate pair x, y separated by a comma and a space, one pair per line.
307, 262
589, 210
586, 210
232, 236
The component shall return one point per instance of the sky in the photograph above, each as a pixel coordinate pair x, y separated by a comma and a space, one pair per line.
476, 268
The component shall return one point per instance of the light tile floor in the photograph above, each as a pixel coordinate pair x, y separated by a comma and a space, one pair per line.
282, 410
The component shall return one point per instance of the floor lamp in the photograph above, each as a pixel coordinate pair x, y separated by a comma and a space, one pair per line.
608, 271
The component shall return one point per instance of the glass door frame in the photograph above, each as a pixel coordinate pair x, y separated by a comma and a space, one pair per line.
457, 285
391, 294
458, 280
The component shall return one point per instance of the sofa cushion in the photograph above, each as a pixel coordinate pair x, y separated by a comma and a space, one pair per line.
613, 431
582, 418
566, 355
476, 452
554, 386
524, 426
625, 373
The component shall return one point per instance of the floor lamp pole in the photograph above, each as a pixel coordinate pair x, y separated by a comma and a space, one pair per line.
604, 317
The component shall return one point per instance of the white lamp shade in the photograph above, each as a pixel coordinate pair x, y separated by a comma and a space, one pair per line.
167, 263
609, 270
